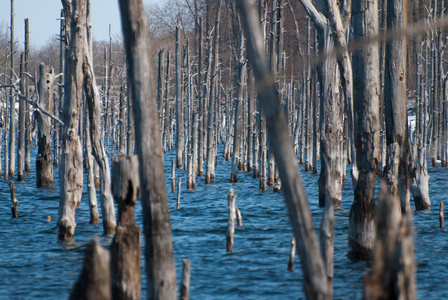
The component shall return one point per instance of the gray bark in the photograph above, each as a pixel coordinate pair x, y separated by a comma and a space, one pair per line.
70, 172
44, 160
12, 102
315, 279
159, 258
361, 234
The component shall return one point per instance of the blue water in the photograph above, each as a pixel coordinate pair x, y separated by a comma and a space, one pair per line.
34, 265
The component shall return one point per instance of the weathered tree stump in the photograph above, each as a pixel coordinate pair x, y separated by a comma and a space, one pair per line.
441, 218
179, 184
292, 254
125, 248
185, 283
44, 160
231, 198
14, 201
94, 281
239, 218
173, 176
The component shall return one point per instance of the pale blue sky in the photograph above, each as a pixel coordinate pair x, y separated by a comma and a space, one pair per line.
43, 15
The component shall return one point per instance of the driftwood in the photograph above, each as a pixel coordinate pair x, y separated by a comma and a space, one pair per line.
94, 281
125, 248
160, 266
14, 201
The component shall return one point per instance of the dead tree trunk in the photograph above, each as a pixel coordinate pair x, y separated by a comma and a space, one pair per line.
160, 267
125, 247
315, 279
94, 281
94, 103
12, 102
179, 106
71, 179
367, 131
14, 201
27, 117
213, 63
44, 160
397, 161
22, 109
393, 268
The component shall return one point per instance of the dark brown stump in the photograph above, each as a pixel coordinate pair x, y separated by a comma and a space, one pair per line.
94, 282
125, 247
14, 201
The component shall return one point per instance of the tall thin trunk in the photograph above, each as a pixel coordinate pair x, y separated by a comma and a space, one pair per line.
179, 110
27, 106
361, 234
397, 172
12, 102
71, 182
160, 266
21, 142
99, 151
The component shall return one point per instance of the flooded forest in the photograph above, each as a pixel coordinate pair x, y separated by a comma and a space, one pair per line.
226, 149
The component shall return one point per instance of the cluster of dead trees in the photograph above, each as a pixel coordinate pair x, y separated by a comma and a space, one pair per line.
342, 105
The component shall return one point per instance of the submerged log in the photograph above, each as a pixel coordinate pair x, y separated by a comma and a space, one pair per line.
14, 201
125, 248
94, 281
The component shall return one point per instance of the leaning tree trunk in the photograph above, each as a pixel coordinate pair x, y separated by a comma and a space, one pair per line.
397, 160
70, 172
315, 278
160, 267
44, 160
361, 232
94, 103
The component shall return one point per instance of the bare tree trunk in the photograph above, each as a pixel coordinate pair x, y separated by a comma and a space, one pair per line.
93, 203
94, 103
71, 179
160, 267
22, 109
27, 107
94, 281
125, 247
213, 63
361, 234
44, 160
393, 268
179, 110
315, 279
59, 101
397, 173
12, 101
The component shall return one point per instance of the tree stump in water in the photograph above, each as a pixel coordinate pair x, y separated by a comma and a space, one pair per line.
125, 248
185, 283
14, 201
94, 281
231, 197
441, 218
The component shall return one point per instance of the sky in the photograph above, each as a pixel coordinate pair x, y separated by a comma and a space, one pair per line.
43, 15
